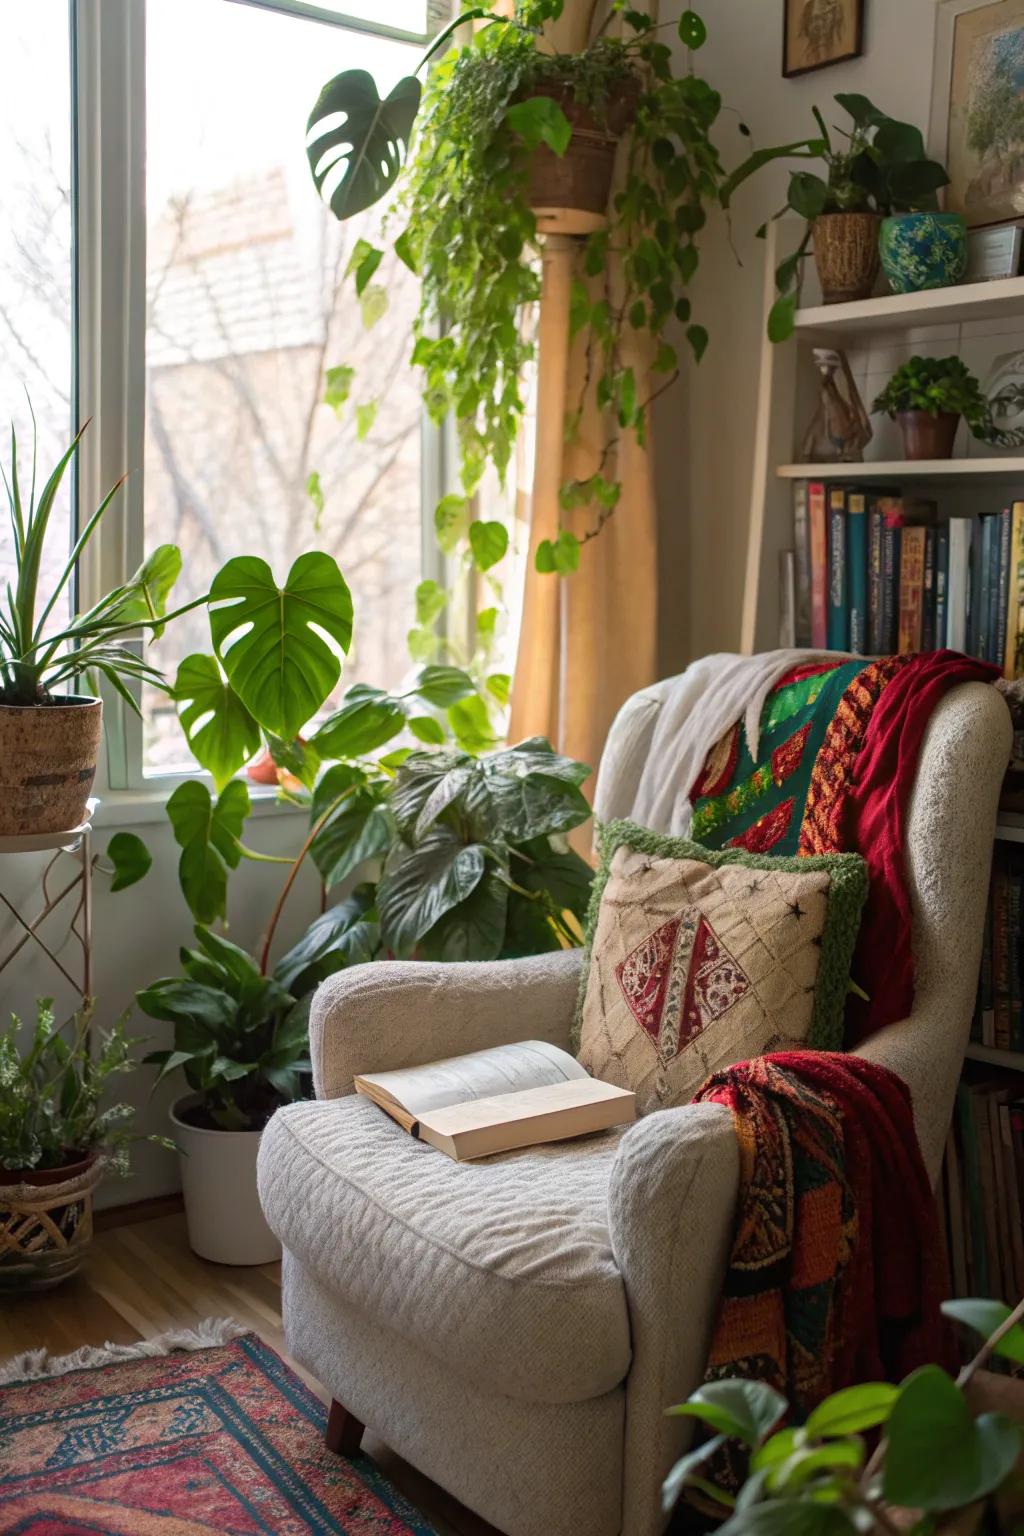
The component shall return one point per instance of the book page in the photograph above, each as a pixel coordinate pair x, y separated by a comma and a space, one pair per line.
568, 1098
479, 1075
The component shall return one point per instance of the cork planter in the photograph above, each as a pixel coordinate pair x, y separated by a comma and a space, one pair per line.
568, 194
846, 255
48, 758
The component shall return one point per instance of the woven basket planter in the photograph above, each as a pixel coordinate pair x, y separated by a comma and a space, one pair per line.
568, 193
46, 1223
47, 764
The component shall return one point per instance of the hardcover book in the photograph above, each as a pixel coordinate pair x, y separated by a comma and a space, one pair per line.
1002, 601
857, 570
802, 563
912, 542
1013, 655
817, 517
928, 602
499, 1099
876, 625
958, 596
941, 586
838, 605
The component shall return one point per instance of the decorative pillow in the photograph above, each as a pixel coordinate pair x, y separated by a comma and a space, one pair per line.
702, 957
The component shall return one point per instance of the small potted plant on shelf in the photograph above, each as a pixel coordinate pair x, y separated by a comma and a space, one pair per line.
872, 169
926, 397
58, 1139
946, 1457
49, 730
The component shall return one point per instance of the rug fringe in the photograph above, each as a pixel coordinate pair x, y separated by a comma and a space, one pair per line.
35, 1364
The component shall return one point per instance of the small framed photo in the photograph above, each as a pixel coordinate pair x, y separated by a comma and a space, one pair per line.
817, 33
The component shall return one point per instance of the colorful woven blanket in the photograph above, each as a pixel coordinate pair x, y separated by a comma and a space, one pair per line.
838, 758
836, 1273
835, 1276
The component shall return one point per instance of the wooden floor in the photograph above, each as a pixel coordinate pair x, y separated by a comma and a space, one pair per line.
142, 1279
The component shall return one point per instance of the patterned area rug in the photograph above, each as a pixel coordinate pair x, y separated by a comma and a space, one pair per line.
224, 1439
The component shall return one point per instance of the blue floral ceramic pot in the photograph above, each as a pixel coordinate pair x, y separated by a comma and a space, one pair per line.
923, 250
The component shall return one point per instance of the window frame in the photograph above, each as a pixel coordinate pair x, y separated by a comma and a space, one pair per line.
108, 96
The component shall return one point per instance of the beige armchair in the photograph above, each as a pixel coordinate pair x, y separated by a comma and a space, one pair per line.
516, 1327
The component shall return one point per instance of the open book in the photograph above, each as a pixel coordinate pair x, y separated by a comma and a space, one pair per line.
495, 1100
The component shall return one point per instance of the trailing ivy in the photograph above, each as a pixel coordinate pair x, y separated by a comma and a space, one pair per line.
468, 231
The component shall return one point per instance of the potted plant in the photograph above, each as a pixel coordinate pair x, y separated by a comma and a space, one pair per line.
511, 141
878, 166
240, 1039
926, 397
946, 1461
49, 731
58, 1139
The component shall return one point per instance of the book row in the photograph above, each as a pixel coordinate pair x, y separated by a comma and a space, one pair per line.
999, 1010
876, 572
982, 1188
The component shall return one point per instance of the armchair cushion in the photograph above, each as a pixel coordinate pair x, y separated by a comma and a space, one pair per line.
700, 958
502, 1269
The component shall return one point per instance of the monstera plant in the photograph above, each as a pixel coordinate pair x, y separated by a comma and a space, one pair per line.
496, 114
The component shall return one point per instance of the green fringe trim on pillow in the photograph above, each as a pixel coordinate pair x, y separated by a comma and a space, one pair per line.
847, 892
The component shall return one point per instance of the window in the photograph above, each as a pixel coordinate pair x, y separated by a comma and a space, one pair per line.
212, 301
247, 307
35, 252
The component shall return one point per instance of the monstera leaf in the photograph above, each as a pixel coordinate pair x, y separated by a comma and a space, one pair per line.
273, 641
357, 143
221, 733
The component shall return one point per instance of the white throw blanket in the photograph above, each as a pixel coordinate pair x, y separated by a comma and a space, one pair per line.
703, 702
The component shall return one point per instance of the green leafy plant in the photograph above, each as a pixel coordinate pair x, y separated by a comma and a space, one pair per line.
877, 165
470, 234
935, 1454
945, 384
34, 661
239, 1036
53, 1088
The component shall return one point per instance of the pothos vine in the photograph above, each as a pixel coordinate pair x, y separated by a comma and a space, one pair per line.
469, 234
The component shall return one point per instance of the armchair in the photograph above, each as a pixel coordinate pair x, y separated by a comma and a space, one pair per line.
516, 1327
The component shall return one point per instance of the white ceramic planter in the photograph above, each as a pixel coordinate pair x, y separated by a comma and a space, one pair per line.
222, 1206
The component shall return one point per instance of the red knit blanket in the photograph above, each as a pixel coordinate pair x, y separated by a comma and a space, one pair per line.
836, 1271
835, 1275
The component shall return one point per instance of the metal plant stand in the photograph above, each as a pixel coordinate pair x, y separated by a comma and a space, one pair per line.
57, 885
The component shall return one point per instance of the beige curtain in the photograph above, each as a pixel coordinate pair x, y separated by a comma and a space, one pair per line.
588, 640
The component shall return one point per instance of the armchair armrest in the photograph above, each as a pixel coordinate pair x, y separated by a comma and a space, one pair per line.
404, 1013
671, 1207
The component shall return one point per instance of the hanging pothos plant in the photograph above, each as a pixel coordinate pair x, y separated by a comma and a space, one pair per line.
469, 233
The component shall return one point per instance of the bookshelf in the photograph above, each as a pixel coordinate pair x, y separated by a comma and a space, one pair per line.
982, 1187
981, 321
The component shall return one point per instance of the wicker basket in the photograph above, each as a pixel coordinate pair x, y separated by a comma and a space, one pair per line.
46, 1224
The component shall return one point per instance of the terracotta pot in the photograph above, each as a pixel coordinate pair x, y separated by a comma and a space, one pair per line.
47, 764
926, 436
569, 193
45, 1223
846, 255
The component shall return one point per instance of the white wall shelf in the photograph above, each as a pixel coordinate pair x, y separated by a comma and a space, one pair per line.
1010, 828
995, 1058
905, 469
1000, 299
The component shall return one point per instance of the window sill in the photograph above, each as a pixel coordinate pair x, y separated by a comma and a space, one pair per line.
143, 807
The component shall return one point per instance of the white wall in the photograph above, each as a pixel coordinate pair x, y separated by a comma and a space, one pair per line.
704, 433
137, 934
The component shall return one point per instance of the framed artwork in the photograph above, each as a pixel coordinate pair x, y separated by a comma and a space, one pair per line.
817, 33
977, 120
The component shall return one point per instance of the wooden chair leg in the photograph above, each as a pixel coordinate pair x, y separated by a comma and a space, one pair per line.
344, 1431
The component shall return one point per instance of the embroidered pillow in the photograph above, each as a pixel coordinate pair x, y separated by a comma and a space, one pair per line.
700, 958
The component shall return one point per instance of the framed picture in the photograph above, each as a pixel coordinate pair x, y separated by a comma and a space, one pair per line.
817, 33
977, 120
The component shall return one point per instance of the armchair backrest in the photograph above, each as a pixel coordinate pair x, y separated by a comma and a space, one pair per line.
949, 837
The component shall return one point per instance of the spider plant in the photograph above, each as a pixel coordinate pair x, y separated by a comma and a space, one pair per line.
36, 664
